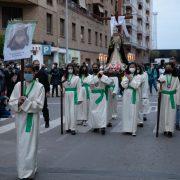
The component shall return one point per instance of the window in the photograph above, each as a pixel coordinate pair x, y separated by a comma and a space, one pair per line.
62, 27
82, 34
106, 41
49, 23
73, 31
49, 2
89, 36
10, 13
100, 39
96, 38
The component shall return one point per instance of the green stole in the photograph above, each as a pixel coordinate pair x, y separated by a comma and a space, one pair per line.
29, 115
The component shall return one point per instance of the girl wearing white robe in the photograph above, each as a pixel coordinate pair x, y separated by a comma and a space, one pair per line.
83, 107
98, 101
130, 83
72, 87
27, 133
169, 99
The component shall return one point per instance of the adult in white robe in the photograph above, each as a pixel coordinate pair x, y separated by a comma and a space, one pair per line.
27, 129
72, 87
169, 99
130, 103
98, 101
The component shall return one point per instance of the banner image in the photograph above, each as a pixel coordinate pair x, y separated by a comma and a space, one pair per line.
18, 40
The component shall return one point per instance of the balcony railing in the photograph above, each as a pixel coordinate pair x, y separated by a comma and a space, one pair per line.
21, 1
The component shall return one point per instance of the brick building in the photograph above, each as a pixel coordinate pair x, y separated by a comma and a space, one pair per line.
88, 36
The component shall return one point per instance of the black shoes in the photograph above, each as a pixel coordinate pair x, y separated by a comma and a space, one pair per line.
73, 132
144, 119
109, 125
47, 125
103, 131
168, 134
68, 131
96, 130
140, 125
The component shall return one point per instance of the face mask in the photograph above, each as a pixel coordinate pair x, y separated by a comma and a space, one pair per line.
132, 70
36, 68
138, 71
95, 70
28, 77
70, 71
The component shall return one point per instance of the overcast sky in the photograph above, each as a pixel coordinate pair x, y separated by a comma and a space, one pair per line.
168, 23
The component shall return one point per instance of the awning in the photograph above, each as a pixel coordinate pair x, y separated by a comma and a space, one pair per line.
82, 3
101, 10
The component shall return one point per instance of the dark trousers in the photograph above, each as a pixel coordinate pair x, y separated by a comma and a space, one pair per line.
55, 87
152, 84
46, 111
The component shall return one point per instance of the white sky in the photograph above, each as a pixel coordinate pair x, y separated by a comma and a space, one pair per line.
168, 23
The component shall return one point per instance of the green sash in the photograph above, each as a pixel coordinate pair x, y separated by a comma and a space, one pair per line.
29, 115
86, 86
171, 96
133, 98
101, 92
75, 93
107, 88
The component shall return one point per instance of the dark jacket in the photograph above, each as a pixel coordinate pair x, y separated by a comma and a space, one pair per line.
55, 76
43, 79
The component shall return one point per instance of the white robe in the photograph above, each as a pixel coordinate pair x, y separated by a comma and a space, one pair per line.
167, 113
112, 103
83, 108
97, 112
71, 109
144, 97
27, 142
130, 110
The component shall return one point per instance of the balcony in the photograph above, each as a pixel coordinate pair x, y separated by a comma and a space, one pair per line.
35, 2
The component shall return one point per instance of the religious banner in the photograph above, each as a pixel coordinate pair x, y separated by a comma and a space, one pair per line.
18, 40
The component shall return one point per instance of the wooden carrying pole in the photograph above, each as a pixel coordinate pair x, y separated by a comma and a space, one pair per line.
158, 112
22, 76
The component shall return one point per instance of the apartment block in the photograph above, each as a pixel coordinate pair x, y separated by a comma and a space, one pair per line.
88, 35
140, 28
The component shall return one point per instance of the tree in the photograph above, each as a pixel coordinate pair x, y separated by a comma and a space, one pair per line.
154, 54
1, 44
173, 53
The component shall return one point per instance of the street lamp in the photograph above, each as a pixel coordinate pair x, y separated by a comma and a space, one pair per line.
131, 57
67, 35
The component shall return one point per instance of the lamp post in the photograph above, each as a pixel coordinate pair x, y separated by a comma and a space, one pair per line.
67, 35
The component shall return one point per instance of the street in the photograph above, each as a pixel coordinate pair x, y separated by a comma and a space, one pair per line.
91, 156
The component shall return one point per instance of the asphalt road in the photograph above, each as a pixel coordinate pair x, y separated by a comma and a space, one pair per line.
90, 156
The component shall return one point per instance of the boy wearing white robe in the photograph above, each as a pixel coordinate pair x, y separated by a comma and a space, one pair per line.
130, 83
27, 109
143, 96
170, 93
98, 116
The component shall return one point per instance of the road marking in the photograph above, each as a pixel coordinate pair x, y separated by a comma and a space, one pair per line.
7, 128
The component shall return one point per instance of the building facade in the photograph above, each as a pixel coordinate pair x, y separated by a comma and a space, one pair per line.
88, 35
140, 28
